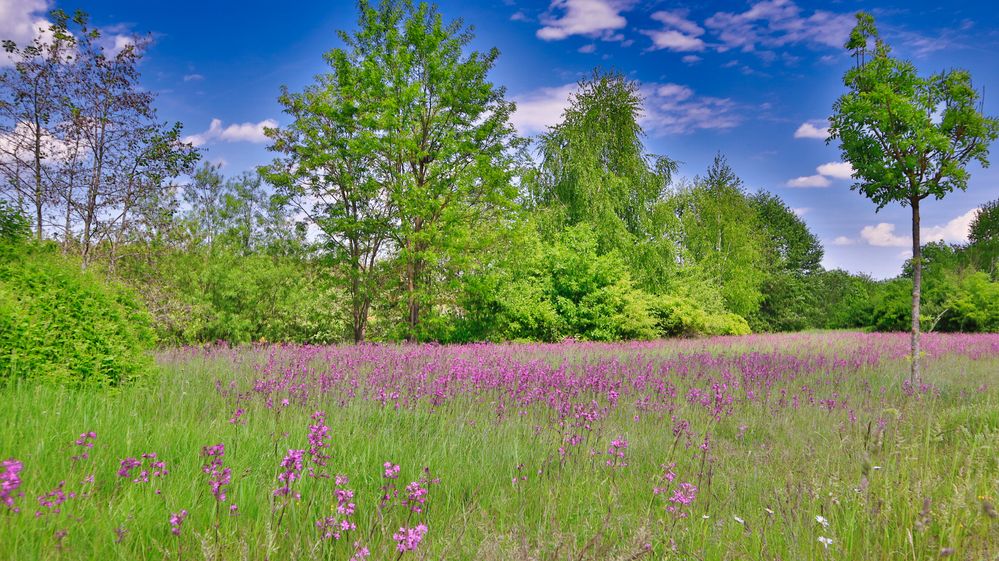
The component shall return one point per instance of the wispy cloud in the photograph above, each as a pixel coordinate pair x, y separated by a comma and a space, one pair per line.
776, 23
193, 77
677, 34
677, 109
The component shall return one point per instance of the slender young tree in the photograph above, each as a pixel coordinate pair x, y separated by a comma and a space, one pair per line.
31, 106
908, 137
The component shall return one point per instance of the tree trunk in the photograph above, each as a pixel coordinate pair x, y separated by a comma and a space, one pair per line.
39, 187
917, 281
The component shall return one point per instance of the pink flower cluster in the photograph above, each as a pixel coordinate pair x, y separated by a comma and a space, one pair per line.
218, 476
408, 539
9, 483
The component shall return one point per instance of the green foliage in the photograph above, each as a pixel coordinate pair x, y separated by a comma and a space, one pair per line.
14, 226
907, 136
62, 326
720, 236
561, 289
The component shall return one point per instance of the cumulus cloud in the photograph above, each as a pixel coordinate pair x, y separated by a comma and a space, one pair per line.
540, 109
812, 129
677, 34
843, 240
775, 23
22, 21
955, 231
236, 132
809, 181
837, 170
883, 235
17, 145
801, 211
592, 18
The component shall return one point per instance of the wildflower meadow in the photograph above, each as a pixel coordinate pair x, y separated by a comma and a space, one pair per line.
804, 446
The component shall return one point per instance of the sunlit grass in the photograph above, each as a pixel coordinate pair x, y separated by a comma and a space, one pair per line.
830, 431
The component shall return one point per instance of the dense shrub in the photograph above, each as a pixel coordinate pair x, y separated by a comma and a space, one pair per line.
60, 325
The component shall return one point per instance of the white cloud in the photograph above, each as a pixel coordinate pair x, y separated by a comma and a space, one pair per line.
812, 130
193, 77
843, 240
883, 235
775, 23
241, 132
21, 21
587, 49
837, 170
519, 16
801, 211
678, 33
18, 145
809, 181
955, 231
691, 59
675, 91
592, 18
540, 109
676, 109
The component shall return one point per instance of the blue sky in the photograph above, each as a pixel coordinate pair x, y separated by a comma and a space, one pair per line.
752, 79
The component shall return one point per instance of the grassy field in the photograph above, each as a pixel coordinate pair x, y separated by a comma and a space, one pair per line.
811, 446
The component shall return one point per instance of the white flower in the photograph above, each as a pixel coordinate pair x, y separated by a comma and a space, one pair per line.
826, 542
875, 467
739, 520
705, 516
822, 520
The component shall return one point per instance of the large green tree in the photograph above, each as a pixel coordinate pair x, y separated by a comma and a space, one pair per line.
407, 132
907, 136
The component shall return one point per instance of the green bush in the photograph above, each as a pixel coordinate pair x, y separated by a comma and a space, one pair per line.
682, 316
60, 325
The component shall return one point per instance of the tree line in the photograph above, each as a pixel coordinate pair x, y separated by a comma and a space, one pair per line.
401, 204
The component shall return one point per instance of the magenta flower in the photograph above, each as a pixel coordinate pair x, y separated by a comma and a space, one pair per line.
9, 483
292, 466
236, 418
318, 434
218, 476
176, 521
391, 470
408, 539
86, 441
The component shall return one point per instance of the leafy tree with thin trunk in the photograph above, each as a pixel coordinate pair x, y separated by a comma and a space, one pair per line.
908, 137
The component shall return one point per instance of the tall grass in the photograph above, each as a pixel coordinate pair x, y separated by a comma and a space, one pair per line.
787, 439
